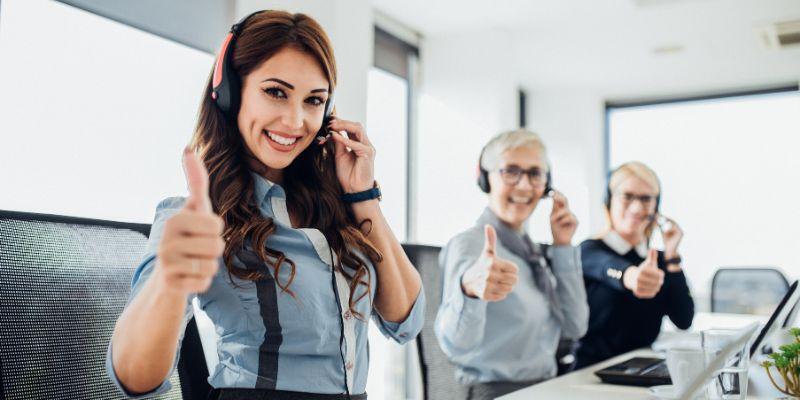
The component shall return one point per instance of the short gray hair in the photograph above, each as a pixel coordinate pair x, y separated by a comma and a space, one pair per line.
493, 152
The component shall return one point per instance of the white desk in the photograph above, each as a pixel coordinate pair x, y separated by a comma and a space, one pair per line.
583, 384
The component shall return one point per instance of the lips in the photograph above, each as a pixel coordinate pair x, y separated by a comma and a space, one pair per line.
525, 200
281, 142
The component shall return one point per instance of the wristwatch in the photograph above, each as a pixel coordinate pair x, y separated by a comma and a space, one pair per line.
374, 193
674, 260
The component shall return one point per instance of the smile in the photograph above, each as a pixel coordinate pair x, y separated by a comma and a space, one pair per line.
281, 142
520, 200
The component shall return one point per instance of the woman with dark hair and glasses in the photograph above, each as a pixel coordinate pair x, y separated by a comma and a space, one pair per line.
631, 286
507, 300
282, 240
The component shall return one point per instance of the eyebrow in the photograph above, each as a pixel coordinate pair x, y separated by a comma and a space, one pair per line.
290, 86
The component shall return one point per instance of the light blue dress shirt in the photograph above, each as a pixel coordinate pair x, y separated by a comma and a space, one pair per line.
269, 339
515, 339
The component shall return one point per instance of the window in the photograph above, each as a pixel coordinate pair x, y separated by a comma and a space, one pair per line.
729, 171
98, 105
390, 91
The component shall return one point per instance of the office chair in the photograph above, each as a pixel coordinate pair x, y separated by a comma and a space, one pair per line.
747, 290
438, 374
63, 283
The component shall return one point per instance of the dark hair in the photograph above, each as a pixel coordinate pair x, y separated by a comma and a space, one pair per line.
312, 189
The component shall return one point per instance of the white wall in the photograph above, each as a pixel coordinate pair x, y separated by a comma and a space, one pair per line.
467, 95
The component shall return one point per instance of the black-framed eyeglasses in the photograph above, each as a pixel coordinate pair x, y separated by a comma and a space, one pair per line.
512, 175
645, 199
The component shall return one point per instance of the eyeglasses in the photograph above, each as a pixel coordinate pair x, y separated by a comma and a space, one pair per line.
512, 175
645, 199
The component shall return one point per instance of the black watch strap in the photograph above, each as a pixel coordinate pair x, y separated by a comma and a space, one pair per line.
673, 260
374, 193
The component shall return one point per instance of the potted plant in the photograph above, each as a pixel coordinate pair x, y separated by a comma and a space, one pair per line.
787, 364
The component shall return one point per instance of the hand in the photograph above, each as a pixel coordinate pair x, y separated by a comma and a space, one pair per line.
491, 278
562, 221
672, 234
192, 241
645, 280
355, 168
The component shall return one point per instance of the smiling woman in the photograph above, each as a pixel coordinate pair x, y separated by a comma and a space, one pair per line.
282, 239
535, 290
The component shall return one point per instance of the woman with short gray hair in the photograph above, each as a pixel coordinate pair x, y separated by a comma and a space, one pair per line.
507, 300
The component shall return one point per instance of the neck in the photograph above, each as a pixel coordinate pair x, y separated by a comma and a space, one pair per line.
517, 227
272, 175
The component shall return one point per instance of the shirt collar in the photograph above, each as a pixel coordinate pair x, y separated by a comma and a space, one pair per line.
621, 246
265, 189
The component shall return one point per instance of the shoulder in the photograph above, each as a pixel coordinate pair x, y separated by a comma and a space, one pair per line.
168, 207
465, 243
467, 238
592, 244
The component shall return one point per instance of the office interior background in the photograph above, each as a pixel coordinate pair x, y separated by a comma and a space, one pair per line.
100, 97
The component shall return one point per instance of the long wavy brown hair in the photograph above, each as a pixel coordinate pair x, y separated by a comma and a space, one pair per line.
312, 189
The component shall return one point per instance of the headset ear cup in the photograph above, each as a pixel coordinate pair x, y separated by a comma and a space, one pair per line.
483, 180
548, 186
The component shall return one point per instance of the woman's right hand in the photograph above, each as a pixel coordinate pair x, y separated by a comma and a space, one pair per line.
646, 279
187, 257
491, 278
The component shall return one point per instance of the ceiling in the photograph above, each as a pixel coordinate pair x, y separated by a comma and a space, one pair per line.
621, 49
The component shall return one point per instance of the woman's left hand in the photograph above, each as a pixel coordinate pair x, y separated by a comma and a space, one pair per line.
672, 234
355, 168
563, 222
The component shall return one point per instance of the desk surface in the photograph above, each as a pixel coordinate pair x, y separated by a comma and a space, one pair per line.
583, 384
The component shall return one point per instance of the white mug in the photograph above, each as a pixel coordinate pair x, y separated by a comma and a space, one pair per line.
684, 364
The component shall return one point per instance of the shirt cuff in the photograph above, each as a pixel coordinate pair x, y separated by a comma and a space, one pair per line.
408, 329
164, 387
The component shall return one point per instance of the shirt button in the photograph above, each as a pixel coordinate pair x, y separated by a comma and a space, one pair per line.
349, 365
403, 335
348, 315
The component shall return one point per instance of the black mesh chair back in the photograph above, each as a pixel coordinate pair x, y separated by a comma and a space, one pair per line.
438, 374
63, 283
747, 290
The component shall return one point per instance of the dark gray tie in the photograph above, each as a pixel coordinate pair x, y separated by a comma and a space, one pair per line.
524, 248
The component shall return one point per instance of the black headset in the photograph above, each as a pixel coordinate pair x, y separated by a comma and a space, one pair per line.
226, 86
607, 197
483, 177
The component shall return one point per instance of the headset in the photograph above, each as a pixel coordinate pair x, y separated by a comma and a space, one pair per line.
226, 86
483, 178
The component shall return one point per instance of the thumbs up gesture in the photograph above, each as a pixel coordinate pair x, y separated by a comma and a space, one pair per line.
192, 240
646, 279
491, 278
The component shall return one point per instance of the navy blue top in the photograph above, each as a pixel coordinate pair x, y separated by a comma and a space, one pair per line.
619, 321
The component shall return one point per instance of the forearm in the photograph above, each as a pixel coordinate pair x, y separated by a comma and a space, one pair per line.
571, 291
398, 281
145, 338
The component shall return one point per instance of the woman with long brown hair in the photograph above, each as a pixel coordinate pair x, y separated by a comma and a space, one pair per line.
282, 239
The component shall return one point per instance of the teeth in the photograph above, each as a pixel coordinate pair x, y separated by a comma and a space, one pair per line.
521, 200
281, 140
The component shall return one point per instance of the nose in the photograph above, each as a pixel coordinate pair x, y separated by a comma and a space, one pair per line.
292, 117
524, 182
636, 207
